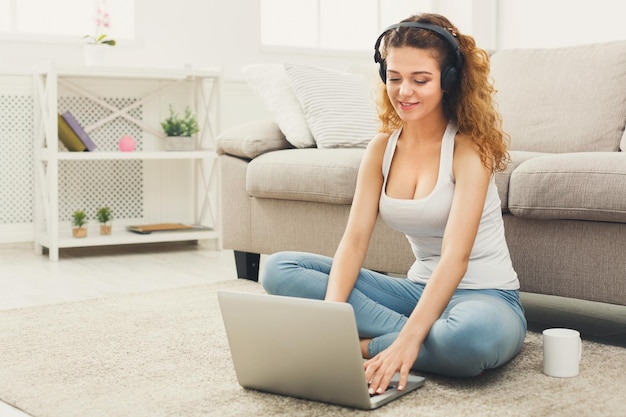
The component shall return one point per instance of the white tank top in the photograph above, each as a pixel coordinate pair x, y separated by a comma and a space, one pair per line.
423, 221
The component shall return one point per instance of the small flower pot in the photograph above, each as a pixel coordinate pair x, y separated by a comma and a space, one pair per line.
180, 143
105, 229
95, 54
79, 232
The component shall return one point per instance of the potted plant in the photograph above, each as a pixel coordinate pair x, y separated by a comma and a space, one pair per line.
104, 217
79, 219
179, 130
98, 43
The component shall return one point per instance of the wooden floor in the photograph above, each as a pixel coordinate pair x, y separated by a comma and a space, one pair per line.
27, 279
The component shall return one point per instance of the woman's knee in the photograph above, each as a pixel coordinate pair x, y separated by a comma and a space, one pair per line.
470, 345
274, 272
459, 352
487, 318
494, 344
297, 274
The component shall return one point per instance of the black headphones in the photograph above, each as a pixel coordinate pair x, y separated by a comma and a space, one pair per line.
449, 75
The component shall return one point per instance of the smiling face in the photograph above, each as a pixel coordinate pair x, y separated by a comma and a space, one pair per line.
414, 83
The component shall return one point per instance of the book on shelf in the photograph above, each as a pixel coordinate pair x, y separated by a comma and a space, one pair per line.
78, 129
145, 229
68, 137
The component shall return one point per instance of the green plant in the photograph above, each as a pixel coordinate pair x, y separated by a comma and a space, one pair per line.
79, 218
176, 125
103, 215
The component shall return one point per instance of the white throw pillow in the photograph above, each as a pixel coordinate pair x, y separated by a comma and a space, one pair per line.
339, 108
270, 82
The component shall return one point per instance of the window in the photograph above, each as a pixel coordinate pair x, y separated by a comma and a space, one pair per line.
584, 22
65, 18
346, 24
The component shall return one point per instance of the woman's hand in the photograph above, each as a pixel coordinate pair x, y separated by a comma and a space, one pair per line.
400, 356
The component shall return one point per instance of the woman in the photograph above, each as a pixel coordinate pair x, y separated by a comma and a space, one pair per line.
430, 175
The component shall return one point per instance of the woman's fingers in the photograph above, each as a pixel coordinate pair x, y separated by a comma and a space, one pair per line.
404, 376
379, 373
382, 368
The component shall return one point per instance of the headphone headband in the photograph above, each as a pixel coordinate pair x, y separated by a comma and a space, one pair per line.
447, 80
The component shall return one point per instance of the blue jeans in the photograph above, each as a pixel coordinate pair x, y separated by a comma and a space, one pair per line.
478, 330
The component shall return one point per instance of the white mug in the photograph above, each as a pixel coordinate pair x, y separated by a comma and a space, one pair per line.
562, 351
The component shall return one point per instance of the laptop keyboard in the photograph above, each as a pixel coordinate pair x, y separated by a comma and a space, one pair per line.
390, 387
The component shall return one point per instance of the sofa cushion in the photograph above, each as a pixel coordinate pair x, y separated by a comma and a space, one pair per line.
318, 175
270, 83
339, 109
329, 176
577, 186
562, 99
251, 139
503, 177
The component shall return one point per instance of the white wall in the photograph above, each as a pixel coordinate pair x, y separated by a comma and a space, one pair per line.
559, 23
203, 34
226, 34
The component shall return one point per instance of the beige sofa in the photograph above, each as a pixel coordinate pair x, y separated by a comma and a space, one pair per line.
563, 196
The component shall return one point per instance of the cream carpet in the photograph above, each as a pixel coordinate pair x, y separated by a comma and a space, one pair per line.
166, 354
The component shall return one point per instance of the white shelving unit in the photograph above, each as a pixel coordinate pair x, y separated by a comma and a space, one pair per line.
171, 186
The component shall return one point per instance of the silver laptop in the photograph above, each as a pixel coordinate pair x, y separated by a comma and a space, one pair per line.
300, 348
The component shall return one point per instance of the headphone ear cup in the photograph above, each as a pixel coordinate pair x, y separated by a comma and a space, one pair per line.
449, 78
382, 71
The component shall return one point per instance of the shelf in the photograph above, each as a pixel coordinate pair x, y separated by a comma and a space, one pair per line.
120, 236
116, 101
46, 155
129, 72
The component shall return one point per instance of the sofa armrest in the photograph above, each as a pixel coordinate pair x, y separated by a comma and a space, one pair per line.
252, 139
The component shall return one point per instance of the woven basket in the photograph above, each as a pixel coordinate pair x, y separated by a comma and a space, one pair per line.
180, 143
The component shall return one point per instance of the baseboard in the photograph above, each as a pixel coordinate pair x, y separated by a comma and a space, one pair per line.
16, 233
